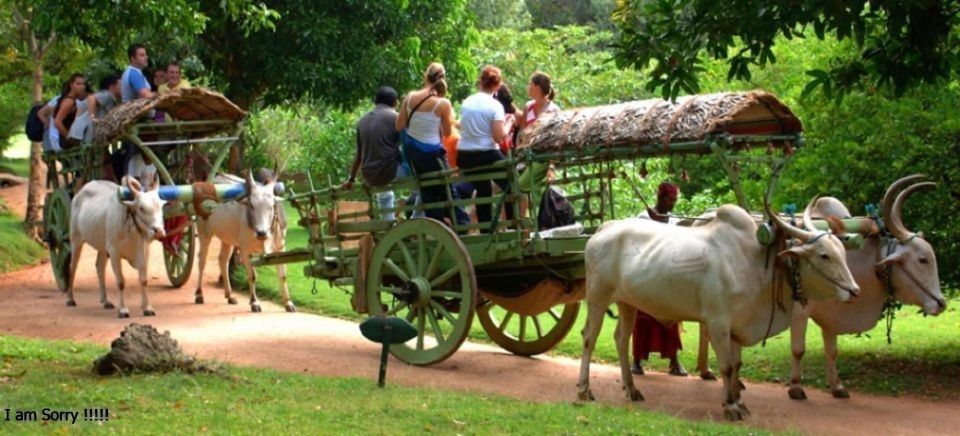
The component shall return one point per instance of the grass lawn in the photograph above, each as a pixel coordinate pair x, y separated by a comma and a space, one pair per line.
38, 374
19, 167
923, 359
16, 249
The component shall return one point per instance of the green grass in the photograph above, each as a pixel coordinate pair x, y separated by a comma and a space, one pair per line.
16, 249
922, 360
19, 167
57, 374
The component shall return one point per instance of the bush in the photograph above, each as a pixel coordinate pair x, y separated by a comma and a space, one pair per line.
15, 104
303, 138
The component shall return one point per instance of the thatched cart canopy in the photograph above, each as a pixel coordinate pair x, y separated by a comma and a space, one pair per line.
192, 104
661, 122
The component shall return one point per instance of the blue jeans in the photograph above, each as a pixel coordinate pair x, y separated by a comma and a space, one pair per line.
475, 159
430, 162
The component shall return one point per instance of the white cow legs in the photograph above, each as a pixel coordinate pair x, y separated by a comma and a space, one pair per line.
118, 275
76, 247
591, 331
225, 252
833, 376
798, 346
621, 336
251, 282
205, 240
722, 344
143, 255
703, 354
102, 279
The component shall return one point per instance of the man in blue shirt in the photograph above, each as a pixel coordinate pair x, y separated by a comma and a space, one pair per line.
133, 84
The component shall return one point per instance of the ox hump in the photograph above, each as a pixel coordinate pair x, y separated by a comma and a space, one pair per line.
736, 217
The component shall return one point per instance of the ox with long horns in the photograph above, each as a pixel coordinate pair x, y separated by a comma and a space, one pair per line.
714, 274
900, 265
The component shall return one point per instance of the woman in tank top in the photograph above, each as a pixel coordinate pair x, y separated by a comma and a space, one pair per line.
425, 118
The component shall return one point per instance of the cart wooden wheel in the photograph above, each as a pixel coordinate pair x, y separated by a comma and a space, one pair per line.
421, 271
527, 335
56, 216
179, 266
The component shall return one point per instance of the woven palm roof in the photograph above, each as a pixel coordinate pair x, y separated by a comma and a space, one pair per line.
658, 121
189, 104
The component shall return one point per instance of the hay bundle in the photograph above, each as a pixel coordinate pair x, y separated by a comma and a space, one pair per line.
182, 104
658, 121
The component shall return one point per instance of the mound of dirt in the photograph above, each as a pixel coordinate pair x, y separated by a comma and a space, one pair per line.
141, 349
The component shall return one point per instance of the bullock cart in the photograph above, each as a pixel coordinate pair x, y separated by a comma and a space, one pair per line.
524, 284
188, 147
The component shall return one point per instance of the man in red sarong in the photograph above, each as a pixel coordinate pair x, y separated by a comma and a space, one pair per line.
649, 335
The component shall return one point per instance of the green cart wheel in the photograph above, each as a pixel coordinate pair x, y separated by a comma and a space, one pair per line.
527, 335
179, 266
56, 218
421, 271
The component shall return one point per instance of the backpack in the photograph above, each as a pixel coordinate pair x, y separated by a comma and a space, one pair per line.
555, 210
33, 126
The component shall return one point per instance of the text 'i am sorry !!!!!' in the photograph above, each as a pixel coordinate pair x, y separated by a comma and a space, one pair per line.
55, 415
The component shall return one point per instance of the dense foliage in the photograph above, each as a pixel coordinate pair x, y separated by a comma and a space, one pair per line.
899, 44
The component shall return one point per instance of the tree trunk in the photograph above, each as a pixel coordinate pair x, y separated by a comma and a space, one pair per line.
33, 218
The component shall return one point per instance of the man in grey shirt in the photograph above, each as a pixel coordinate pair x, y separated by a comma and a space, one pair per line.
378, 149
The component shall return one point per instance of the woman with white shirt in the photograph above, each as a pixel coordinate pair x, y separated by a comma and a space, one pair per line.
482, 128
424, 119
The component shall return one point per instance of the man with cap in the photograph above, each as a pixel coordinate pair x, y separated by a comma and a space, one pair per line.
649, 335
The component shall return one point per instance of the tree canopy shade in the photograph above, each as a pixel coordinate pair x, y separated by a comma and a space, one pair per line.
338, 51
899, 43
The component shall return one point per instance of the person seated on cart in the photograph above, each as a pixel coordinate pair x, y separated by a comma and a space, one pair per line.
649, 335
542, 93
95, 107
425, 118
378, 150
133, 84
174, 78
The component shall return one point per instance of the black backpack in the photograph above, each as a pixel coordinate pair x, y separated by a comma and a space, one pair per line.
555, 210
33, 126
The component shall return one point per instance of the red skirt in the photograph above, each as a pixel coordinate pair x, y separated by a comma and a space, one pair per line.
650, 336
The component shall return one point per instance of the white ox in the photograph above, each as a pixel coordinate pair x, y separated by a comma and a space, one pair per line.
714, 274
913, 272
117, 230
255, 224
906, 256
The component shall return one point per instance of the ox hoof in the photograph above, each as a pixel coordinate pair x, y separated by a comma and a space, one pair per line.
108, 305
734, 412
124, 314
231, 300
797, 393
586, 396
291, 308
708, 375
149, 312
71, 303
198, 299
255, 308
635, 395
743, 408
840, 393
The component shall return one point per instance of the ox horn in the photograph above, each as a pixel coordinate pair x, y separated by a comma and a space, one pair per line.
807, 215
795, 232
894, 221
891, 195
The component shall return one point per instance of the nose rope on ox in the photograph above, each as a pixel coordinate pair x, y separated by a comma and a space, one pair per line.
132, 216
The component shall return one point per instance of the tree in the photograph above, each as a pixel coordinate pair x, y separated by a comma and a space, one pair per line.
500, 14
337, 51
899, 44
43, 26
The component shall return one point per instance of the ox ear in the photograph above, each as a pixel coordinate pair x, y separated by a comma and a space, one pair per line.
134, 186
894, 259
795, 252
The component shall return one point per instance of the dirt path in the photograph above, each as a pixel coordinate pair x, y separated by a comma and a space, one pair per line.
331, 347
